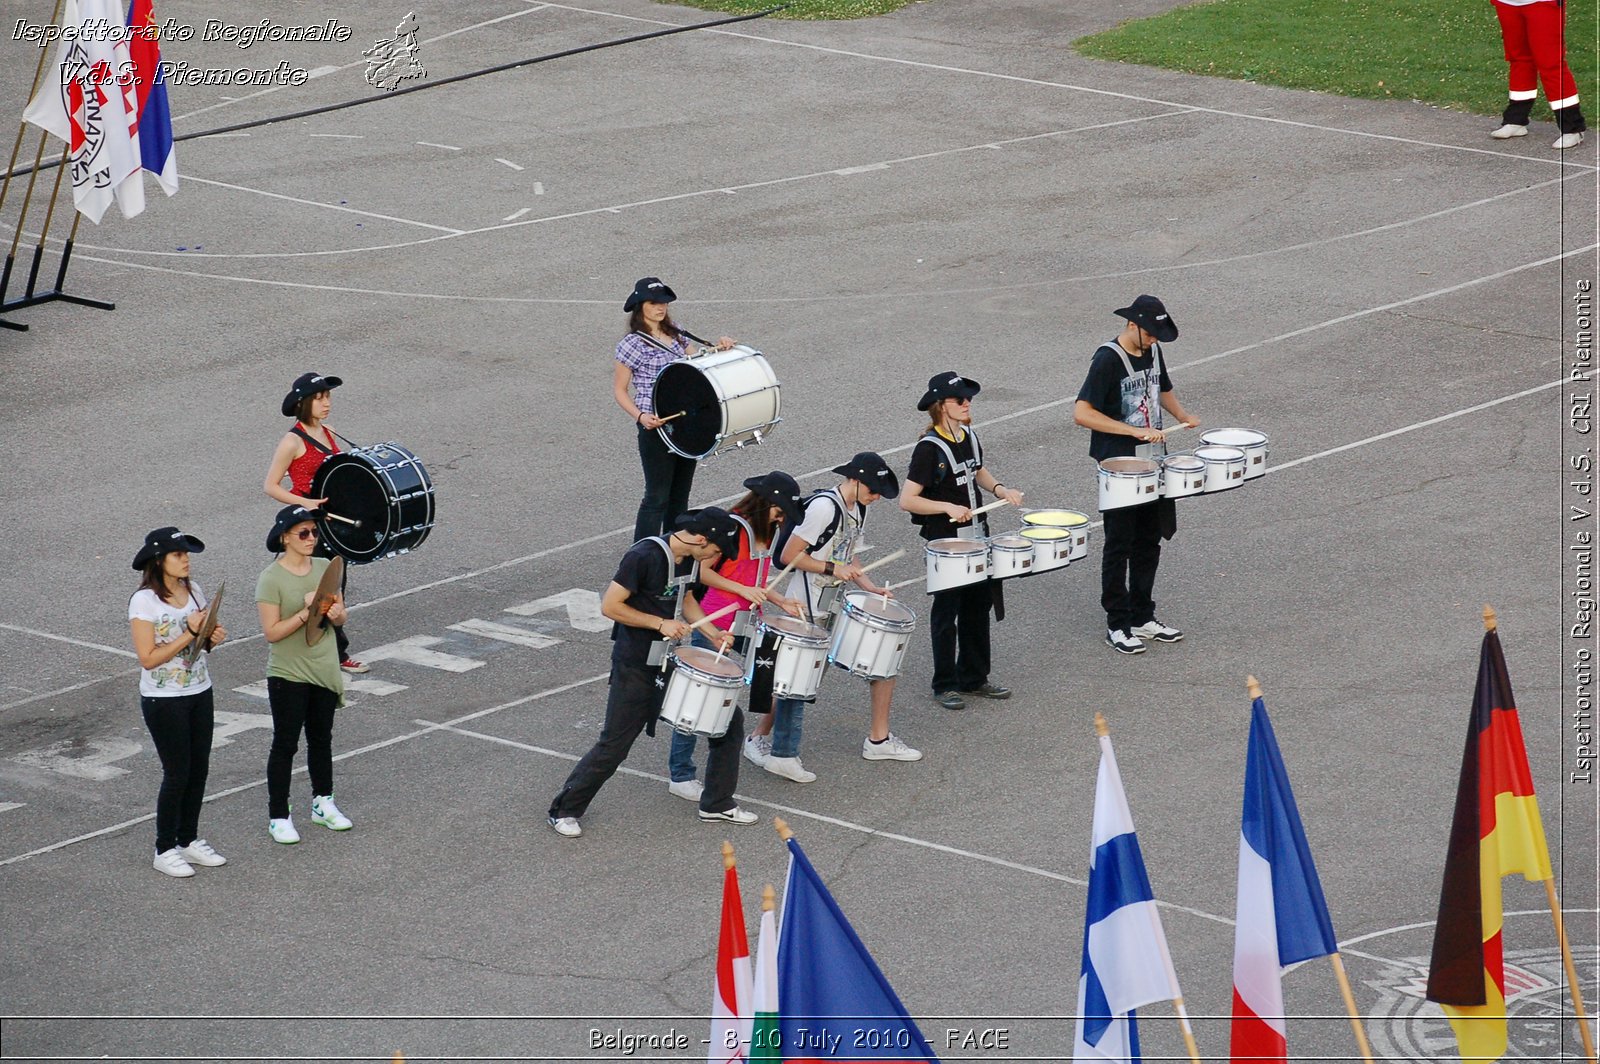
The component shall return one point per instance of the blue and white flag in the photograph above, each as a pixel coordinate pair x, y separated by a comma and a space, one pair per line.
1125, 958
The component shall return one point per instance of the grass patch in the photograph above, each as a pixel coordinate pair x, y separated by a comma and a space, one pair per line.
1444, 52
802, 9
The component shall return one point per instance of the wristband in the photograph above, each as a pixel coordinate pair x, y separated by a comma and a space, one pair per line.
997, 487
827, 568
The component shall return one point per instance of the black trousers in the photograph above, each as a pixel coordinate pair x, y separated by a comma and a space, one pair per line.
296, 707
181, 726
667, 480
960, 623
634, 701
1129, 559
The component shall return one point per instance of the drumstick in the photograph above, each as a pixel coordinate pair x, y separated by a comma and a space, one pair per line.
887, 558
341, 519
673, 417
733, 606
992, 506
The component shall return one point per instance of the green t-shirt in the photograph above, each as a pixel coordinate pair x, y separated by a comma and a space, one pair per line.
290, 658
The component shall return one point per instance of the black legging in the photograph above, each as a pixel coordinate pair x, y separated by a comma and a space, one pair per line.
181, 727
667, 480
295, 706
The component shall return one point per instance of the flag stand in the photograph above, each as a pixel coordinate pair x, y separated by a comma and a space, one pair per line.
1490, 624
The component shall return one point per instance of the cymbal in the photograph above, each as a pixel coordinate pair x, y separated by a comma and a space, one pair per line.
192, 653
327, 591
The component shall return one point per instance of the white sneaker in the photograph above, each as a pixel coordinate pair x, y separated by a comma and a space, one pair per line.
1124, 643
757, 748
1567, 140
891, 749
1509, 130
283, 831
730, 816
688, 790
789, 768
324, 812
172, 863
1154, 629
567, 827
200, 852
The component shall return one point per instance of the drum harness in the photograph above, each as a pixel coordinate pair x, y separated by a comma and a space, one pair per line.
677, 584
966, 478
828, 533
1152, 397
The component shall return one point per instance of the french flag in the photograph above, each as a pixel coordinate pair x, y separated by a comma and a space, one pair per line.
1282, 916
154, 118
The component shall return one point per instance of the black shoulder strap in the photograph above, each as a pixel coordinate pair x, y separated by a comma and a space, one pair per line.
304, 435
781, 540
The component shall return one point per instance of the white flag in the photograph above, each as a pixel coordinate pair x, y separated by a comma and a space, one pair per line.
81, 102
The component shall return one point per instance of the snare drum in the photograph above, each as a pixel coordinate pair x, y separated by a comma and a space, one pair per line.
729, 399
798, 655
1052, 547
956, 563
1251, 442
1224, 467
1128, 482
1182, 474
1074, 522
702, 692
870, 636
385, 490
1009, 556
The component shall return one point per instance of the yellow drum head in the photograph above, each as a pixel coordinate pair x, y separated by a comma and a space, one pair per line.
1046, 532
1055, 518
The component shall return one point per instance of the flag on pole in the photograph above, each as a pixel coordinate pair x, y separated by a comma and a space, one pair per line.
730, 996
1496, 832
765, 1046
1125, 958
80, 101
1282, 917
837, 1005
153, 116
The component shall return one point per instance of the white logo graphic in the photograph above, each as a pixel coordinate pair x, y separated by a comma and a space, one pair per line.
392, 62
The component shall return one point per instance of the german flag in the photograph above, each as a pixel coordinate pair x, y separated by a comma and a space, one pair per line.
1496, 832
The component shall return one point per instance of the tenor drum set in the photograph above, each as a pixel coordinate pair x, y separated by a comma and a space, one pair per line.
1224, 460
1048, 540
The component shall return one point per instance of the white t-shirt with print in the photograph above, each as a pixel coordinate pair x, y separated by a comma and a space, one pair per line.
170, 678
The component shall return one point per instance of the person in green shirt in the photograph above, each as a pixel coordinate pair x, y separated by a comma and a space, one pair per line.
304, 684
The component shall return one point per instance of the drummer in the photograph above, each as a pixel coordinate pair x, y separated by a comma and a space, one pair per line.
652, 342
299, 455
739, 577
643, 600
1120, 404
942, 489
821, 549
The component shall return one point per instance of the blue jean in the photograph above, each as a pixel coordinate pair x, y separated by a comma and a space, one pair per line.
680, 759
788, 714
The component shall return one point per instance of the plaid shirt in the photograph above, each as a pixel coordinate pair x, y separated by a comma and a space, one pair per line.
646, 360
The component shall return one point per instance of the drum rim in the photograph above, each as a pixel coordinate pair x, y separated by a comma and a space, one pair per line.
1150, 468
1026, 544
731, 660
1062, 529
1258, 438
872, 620
976, 545
775, 625
1028, 517
1236, 456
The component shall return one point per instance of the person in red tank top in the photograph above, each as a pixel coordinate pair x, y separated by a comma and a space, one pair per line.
299, 454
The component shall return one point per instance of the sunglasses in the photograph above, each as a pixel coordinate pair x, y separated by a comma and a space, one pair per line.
967, 401
306, 533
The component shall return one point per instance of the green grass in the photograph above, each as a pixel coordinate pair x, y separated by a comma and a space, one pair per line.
802, 9
1444, 52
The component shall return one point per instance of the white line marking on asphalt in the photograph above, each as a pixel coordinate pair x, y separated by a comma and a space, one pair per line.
514, 215
508, 162
93, 765
68, 639
538, 188
368, 686
230, 724
324, 206
506, 633
582, 606
319, 72
379, 745
847, 171
413, 650
430, 144
339, 136
6, 807
822, 818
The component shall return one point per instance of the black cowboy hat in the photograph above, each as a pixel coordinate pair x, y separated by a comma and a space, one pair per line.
649, 290
870, 469
306, 385
781, 490
947, 386
714, 523
165, 541
287, 518
1150, 314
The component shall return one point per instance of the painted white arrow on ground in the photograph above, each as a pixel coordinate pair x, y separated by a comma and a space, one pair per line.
95, 764
506, 633
230, 724
413, 649
581, 604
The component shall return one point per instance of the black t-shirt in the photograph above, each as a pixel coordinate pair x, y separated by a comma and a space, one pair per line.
644, 572
1102, 389
931, 469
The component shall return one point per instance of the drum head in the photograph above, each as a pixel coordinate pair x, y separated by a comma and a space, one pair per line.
1045, 532
1055, 518
681, 386
1131, 466
1010, 543
354, 489
703, 660
1233, 438
1219, 454
877, 606
957, 546
1184, 461
796, 627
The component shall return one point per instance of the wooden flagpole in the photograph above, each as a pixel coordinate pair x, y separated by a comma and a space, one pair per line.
1253, 687
1490, 624
1104, 731
22, 127
727, 855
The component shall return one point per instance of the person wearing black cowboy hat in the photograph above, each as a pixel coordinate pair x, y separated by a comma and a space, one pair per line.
943, 487
821, 548
644, 599
167, 615
771, 501
1121, 404
652, 342
298, 456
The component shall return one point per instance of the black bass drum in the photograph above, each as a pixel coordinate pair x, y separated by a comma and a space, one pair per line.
380, 502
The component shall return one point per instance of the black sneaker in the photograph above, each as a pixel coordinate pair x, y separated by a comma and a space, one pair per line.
1123, 643
990, 690
950, 700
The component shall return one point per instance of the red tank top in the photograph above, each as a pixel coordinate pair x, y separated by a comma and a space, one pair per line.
302, 469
